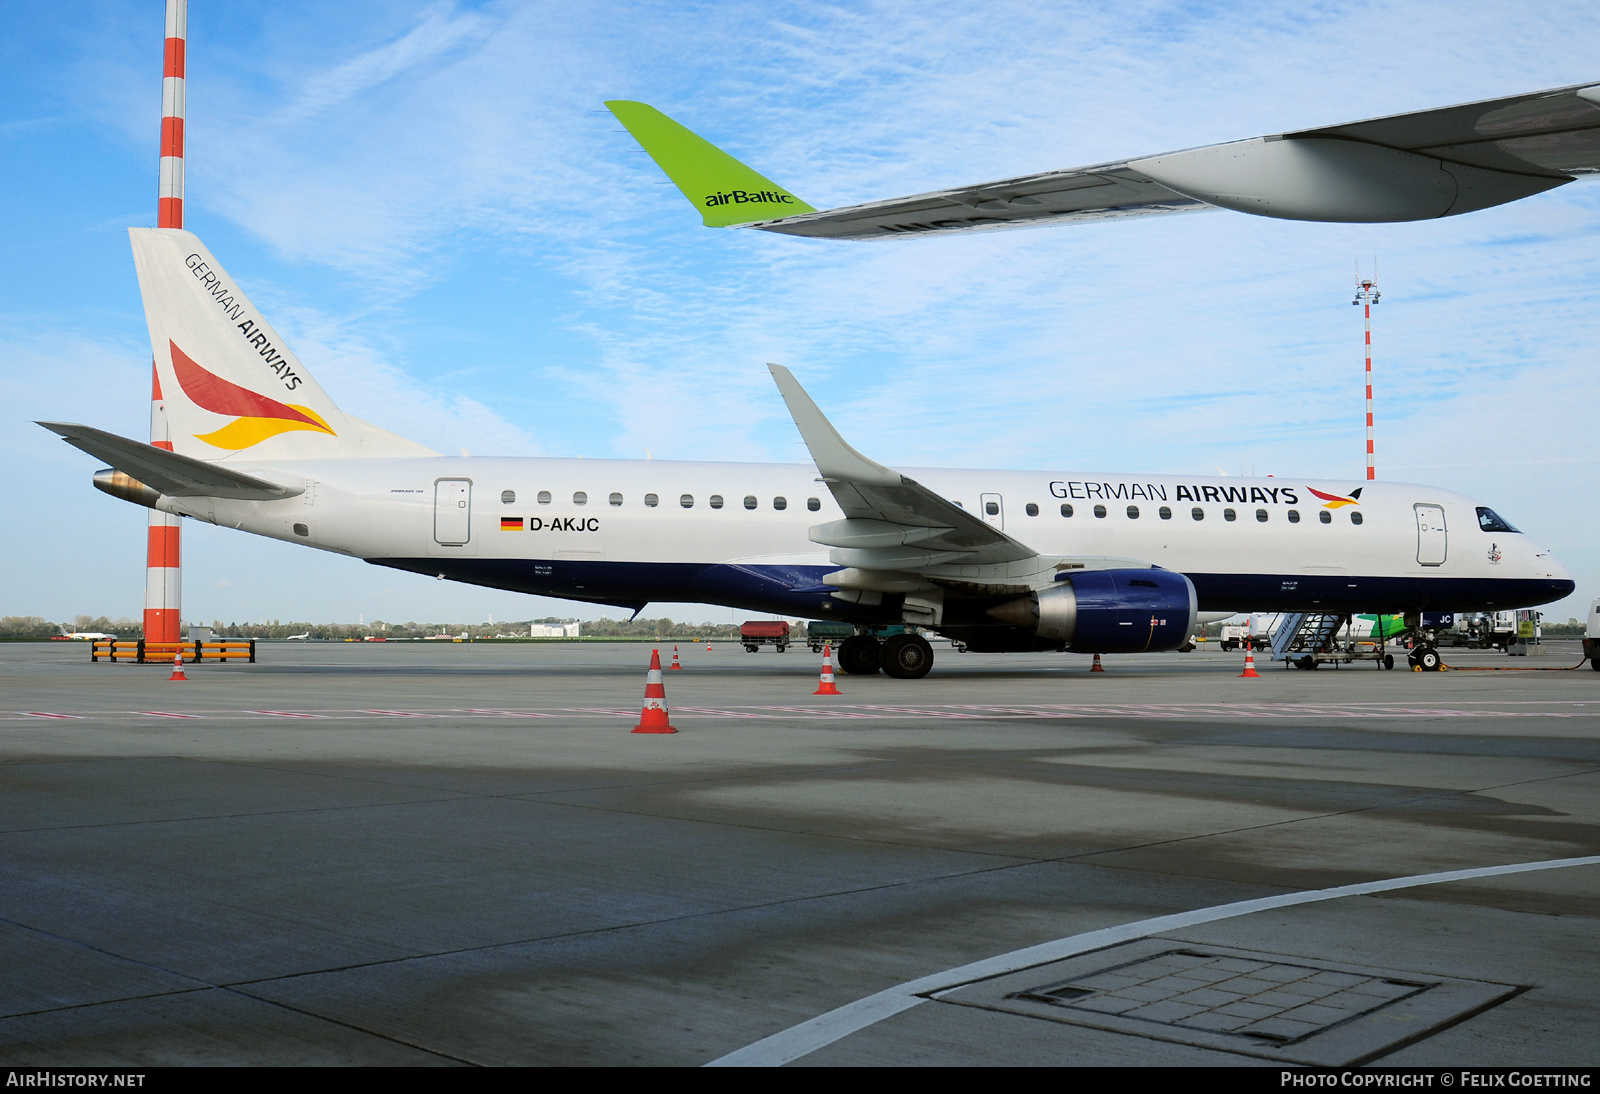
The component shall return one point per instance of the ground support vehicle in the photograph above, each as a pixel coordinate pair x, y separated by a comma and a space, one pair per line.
824, 632
756, 633
1591, 636
1309, 640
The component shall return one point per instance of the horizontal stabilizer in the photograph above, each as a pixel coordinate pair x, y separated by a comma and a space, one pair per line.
724, 190
169, 473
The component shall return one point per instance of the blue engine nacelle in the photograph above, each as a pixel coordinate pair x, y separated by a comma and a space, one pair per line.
1118, 611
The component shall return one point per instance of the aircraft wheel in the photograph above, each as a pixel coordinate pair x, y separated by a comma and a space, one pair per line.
1594, 663
1388, 660
1428, 659
907, 657
860, 655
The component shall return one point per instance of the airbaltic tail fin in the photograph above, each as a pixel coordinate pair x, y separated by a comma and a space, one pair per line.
724, 190
230, 385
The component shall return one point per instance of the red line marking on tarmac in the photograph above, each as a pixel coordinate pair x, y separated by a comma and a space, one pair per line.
918, 710
602, 710
397, 713
47, 714
509, 713
723, 713
286, 713
817, 712
166, 714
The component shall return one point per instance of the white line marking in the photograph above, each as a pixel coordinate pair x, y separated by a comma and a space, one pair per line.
510, 713
166, 714
286, 713
841, 1022
397, 713
45, 714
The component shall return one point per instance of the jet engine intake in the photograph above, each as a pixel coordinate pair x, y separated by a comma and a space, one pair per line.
1109, 611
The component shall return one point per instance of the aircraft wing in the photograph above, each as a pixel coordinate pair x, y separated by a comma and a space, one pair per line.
1416, 166
891, 522
168, 472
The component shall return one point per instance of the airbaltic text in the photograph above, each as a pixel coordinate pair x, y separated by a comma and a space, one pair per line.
748, 197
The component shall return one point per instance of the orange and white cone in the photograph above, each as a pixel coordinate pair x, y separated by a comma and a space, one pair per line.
708, 645
1097, 667
177, 665
1249, 662
827, 687
653, 717
675, 666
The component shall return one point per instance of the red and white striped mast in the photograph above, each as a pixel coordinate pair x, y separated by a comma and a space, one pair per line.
163, 583
1367, 294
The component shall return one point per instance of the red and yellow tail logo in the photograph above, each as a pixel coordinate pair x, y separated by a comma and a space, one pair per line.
258, 416
1335, 501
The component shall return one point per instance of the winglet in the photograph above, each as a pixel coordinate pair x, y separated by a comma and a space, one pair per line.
724, 190
834, 457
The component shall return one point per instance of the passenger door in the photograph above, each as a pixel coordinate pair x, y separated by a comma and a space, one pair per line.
452, 512
1432, 539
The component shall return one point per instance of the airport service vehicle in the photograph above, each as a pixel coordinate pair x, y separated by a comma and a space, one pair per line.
1416, 166
995, 560
761, 632
1591, 636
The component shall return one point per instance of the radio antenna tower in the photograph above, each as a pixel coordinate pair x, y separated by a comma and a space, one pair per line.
163, 576
1367, 294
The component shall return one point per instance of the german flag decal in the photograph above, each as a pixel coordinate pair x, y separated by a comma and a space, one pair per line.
511, 524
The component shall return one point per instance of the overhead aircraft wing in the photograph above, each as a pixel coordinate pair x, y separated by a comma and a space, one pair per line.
1416, 166
168, 472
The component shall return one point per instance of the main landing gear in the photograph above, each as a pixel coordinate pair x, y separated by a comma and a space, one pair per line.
901, 656
1425, 658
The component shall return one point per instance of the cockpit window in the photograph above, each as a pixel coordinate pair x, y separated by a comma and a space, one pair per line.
1490, 521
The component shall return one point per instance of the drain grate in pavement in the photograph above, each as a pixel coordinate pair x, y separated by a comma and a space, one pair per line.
1283, 1008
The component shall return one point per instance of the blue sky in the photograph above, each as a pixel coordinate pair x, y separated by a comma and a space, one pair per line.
432, 205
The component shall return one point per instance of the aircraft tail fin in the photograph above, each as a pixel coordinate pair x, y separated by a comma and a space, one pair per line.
226, 381
724, 190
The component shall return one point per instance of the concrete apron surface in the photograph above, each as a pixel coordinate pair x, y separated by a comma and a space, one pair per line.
453, 853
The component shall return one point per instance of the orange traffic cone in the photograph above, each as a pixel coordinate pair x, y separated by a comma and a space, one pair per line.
1249, 662
1097, 666
675, 666
177, 666
708, 645
827, 687
653, 717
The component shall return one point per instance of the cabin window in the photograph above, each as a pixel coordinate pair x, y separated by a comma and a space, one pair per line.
615, 499
544, 497
992, 508
687, 501
1099, 510
1166, 513
508, 497
1032, 509
1197, 513
716, 501
1355, 516
813, 504
1229, 514
1066, 510
651, 500
1490, 521
1294, 516
580, 498
1133, 512
780, 503
750, 501
1325, 517
1261, 515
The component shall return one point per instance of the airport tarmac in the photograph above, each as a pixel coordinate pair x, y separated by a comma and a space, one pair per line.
439, 853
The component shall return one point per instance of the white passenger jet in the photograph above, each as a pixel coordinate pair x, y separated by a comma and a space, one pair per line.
998, 560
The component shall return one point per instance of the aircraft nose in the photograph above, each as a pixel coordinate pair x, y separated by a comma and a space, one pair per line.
1550, 568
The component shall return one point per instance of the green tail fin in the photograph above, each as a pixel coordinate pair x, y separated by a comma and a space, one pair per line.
724, 190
